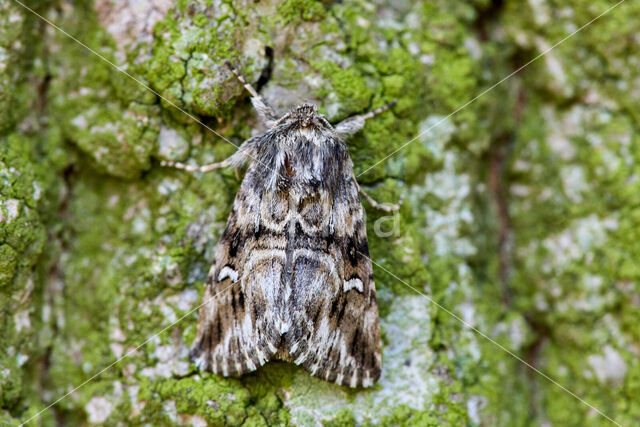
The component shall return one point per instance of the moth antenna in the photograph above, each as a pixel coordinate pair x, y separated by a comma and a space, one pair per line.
265, 111
383, 207
196, 168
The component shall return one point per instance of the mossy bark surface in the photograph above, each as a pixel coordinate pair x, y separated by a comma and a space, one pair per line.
520, 214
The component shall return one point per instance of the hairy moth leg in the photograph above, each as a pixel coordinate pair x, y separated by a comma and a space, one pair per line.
351, 125
195, 168
377, 205
246, 152
265, 111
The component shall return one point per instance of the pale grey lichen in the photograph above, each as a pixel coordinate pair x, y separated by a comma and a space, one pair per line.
406, 373
98, 409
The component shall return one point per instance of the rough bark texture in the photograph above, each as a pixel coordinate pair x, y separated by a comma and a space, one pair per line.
521, 213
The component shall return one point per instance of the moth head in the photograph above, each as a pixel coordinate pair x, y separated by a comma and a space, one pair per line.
306, 116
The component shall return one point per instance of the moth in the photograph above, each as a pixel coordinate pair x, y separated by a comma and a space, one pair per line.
292, 278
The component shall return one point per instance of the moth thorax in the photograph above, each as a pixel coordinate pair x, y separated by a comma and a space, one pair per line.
310, 133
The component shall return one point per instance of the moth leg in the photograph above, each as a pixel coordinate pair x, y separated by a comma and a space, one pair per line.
351, 125
383, 207
246, 151
194, 168
265, 111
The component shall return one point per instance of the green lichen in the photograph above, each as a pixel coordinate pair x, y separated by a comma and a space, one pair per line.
8, 264
293, 11
571, 200
188, 66
108, 115
346, 87
16, 45
25, 202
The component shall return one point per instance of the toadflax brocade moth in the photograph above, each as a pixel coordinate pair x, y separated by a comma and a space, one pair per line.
292, 278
